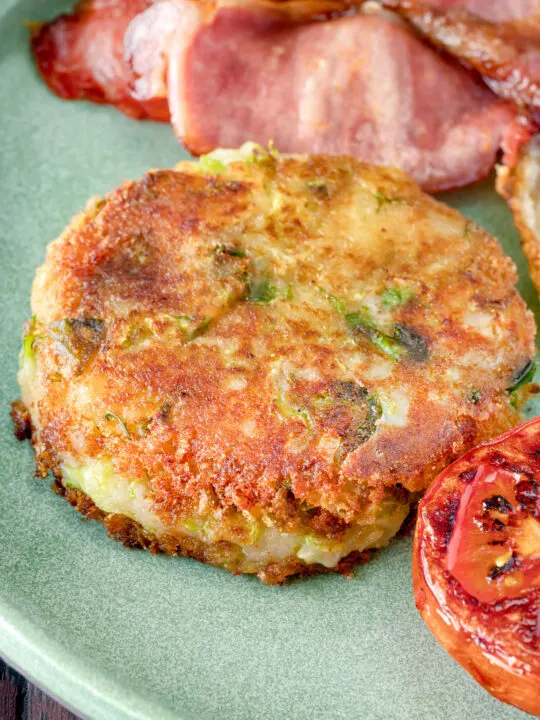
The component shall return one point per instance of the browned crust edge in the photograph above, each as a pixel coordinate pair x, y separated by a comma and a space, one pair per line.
132, 535
509, 185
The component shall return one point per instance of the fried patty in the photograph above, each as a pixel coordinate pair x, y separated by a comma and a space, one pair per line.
261, 361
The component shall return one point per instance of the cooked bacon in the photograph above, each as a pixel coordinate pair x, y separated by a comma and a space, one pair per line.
81, 56
146, 49
148, 38
290, 72
494, 10
147, 46
517, 134
112, 51
507, 55
360, 85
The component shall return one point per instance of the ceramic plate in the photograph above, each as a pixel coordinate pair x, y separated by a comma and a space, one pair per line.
119, 634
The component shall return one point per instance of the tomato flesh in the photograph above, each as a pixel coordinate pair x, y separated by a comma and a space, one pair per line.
494, 549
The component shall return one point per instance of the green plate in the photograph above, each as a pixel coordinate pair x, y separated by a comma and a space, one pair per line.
120, 634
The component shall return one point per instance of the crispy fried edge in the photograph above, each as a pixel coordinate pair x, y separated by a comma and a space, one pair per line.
511, 186
133, 535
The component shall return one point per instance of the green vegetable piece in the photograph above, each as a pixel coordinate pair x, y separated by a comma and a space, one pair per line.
186, 324
383, 199
388, 345
304, 415
475, 396
404, 340
28, 347
316, 543
184, 321
523, 376
165, 408
318, 186
392, 297
228, 250
114, 416
364, 408
29, 338
343, 406
289, 410
192, 526
412, 341
272, 150
322, 401
201, 328
335, 302
81, 338
136, 334
316, 183
261, 291
212, 165
261, 156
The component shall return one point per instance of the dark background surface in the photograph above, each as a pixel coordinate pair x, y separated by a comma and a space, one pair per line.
20, 700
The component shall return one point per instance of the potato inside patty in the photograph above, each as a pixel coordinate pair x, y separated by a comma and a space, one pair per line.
261, 361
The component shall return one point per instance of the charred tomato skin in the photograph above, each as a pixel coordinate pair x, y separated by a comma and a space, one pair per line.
497, 642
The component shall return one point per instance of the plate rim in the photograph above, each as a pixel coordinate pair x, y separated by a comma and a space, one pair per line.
59, 672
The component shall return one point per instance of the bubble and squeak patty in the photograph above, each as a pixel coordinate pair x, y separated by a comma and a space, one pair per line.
261, 361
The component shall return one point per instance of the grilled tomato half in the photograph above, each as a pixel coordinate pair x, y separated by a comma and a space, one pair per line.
476, 564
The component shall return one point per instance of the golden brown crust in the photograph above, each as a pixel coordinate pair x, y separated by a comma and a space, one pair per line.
132, 535
20, 416
519, 185
296, 338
